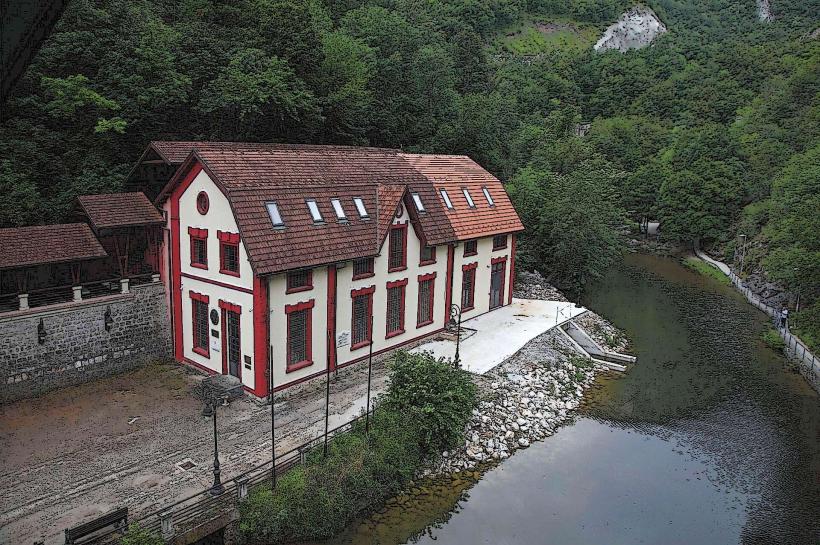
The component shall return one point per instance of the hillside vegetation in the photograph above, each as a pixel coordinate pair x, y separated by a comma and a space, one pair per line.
712, 129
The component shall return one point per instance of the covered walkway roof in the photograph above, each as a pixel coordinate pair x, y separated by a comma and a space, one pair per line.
22, 247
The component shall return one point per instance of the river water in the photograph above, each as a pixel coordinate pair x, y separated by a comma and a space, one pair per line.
707, 439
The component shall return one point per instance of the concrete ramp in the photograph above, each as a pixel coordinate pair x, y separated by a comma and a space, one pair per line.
588, 347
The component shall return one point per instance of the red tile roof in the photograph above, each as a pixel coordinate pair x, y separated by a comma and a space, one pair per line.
454, 172
251, 174
113, 210
45, 244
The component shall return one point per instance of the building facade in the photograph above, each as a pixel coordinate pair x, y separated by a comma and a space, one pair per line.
284, 261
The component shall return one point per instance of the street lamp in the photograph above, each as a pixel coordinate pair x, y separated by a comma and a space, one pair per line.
455, 318
797, 283
742, 251
208, 411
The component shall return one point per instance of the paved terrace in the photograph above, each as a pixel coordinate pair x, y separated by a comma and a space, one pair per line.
78, 452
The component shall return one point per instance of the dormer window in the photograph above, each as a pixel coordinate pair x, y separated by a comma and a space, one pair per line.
275, 216
489, 197
360, 207
314, 211
469, 197
417, 200
446, 198
337, 207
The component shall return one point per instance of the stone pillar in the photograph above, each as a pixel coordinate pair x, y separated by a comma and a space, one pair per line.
23, 297
242, 487
124, 285
78, 292
166, 524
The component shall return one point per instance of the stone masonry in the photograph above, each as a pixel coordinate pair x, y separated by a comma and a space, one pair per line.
77, 347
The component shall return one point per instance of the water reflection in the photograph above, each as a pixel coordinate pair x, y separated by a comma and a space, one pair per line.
707, 439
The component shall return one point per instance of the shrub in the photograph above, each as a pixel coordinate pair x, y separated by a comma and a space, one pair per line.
806, 325
435, 394
135, 535
773, 339
317, 500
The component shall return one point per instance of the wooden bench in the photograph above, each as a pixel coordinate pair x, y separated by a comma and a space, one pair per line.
113, 521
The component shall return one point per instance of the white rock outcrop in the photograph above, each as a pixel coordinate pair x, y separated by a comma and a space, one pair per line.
635, 29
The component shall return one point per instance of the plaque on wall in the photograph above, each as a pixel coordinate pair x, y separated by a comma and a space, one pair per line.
214, 316
342, 338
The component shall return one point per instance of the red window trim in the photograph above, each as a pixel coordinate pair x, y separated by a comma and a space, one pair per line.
506, 238
391, 285
403, 266
362, 292
431, 261
468, 254
202, 298
290, 309
199, 234
423, 278
230, 307
306, 287
367, 274
495, 260
464, 270
228, 239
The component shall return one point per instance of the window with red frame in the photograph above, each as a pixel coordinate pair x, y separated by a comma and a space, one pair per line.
470, 248
468, 287
426, 294
397, 250
199, 317
395, 307
428, 255
499, 242
228, 253
363, 268
300, 281
199, 247
361, 331
299, 344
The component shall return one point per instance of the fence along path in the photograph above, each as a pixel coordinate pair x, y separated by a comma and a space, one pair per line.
809, 363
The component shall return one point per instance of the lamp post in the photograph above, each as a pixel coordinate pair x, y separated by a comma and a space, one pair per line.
210, 411
455, 317
369, 378
742, 251
797, 283
272, 423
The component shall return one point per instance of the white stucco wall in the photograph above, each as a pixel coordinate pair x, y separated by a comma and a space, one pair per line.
206, 281
482, 278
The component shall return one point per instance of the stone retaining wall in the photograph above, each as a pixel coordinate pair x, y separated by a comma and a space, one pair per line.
77, 347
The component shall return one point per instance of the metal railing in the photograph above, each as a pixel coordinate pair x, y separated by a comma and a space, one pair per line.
794, 346
197, 509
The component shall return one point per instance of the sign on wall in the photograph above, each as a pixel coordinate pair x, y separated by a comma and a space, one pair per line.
342, 339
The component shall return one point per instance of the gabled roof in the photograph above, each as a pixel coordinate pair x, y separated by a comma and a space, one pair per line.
454, 172
112, 210
47, 244
251, 173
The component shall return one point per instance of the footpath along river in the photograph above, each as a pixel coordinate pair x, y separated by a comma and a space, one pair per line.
707, 439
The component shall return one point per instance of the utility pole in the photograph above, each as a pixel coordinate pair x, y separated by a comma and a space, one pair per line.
369, 378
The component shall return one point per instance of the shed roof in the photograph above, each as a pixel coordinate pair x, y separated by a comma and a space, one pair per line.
112, 210
47, 244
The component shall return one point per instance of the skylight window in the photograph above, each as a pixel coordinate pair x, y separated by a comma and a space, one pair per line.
469, 197
490, 200
337, 207
314, 211
417, 200
446, 198
275, 216
360, 206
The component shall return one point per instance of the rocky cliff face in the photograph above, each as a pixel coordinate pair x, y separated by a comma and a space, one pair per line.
635, 29
764, 11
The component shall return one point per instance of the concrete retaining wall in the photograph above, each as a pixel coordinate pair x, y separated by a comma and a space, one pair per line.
77, 348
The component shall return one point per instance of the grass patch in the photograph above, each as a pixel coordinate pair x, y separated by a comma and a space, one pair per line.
806, 325
701, 267
538, 36
773, 340
424, 411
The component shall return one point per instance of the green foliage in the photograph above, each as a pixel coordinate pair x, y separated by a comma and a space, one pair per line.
135, 535
806, 325
773, 339
424, 411
433, 393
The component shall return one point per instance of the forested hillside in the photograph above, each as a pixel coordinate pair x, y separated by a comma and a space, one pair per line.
714, 128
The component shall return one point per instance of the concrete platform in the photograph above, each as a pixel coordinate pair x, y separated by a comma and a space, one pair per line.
503, 332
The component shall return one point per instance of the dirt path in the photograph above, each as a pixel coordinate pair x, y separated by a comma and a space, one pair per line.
75, 453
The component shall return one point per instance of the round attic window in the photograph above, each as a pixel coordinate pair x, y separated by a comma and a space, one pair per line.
202, 203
